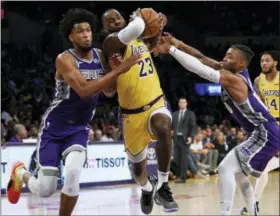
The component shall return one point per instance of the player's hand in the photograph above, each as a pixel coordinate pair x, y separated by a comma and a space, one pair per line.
172, 40
115, 60
135, 14
162, 47
125, 65
163, 19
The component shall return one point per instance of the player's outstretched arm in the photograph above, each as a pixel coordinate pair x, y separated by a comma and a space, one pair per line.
66, 67
192, 64
192, 51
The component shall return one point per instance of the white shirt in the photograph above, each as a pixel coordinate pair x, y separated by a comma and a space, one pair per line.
196, 146
181, 114
106, 139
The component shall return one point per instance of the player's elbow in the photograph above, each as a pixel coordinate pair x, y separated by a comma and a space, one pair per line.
134, 29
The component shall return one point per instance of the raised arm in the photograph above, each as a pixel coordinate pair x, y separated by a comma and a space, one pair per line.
66, 68
192, 51
116, 42
234, 83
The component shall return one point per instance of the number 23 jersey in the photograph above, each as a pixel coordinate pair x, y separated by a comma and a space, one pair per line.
270, 93
140, 85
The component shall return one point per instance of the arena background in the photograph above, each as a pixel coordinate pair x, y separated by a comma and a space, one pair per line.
30, 42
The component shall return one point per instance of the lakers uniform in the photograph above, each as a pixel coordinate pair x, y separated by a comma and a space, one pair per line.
140, 96
270, 93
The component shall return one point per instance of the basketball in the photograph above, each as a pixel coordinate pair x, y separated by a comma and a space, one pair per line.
152, 21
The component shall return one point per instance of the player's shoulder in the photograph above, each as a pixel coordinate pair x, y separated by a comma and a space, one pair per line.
64, 58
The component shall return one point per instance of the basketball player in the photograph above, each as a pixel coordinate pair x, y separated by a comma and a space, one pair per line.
64, 128
239, 97
267, 85
143, 107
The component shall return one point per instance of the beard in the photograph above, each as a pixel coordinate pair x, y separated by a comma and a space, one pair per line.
268, 71
85, 49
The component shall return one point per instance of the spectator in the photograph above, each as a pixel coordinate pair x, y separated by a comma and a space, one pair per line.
209, 136
97, 135
207, 156
20, 133
221, 146
91, 135
184, 126
108, 136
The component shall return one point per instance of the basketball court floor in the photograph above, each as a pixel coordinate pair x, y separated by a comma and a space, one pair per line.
196, 197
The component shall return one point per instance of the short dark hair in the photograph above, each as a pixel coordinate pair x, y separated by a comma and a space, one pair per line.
245, 50
182, 98
74, 16
103, 15
275, 54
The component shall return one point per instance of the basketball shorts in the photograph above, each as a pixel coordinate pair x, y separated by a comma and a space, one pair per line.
137, 130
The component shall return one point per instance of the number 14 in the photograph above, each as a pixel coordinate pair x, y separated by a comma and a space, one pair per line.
272, 104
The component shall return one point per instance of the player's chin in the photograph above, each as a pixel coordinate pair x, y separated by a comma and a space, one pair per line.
86, 48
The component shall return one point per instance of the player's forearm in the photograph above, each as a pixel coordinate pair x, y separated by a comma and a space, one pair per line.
194, 65
197, 54
92, 87
190, 50
132, 31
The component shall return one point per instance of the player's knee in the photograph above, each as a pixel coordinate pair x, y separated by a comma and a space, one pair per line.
162, 131
161, 125
71, 185
47, 178
47, 189
222, 169
73, 166
137, 169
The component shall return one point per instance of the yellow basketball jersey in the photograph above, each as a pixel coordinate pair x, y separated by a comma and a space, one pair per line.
270, 93
140, 85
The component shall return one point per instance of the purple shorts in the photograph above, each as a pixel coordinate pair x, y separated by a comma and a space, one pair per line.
256, 151
54, 146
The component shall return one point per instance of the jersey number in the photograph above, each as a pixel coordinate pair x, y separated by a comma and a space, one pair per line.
142, 63
272, 104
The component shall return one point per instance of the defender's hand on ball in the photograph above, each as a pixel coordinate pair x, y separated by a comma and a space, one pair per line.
162, 47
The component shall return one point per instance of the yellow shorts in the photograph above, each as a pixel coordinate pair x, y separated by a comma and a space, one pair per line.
137, 134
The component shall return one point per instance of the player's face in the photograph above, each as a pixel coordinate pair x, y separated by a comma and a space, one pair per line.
81, 36
233, 60
267, 63
113, 21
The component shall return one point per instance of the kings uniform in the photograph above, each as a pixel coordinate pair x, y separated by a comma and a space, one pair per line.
140, 97
64, 125
270, 93
262, 141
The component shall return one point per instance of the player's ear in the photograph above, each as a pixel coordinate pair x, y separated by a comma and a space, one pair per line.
275, 63
70, 38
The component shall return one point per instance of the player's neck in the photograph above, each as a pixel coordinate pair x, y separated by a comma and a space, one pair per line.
271, 76
83, 55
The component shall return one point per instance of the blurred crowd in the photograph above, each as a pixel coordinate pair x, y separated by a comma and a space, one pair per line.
209, 147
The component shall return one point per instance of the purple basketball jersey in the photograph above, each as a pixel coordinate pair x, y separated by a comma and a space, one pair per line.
64, 126
68, 110
262, 141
